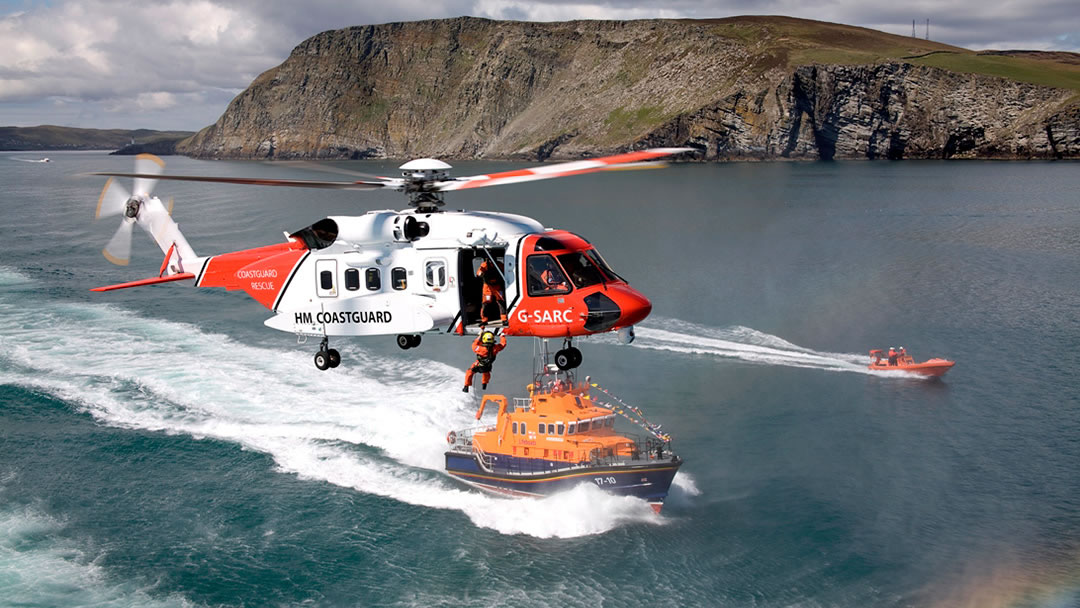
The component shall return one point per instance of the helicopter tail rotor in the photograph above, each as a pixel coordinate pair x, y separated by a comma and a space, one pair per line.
149, 212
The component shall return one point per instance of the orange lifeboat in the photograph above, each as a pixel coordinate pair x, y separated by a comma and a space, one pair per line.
879, 361
560, 436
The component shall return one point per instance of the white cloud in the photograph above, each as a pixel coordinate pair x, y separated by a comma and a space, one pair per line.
177, 63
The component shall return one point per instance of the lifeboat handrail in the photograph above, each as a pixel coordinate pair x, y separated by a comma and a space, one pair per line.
482, 457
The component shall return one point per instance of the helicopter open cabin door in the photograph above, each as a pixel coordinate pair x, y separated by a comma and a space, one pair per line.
326, 278
471, 284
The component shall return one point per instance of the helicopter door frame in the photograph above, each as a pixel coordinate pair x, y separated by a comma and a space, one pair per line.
324, 269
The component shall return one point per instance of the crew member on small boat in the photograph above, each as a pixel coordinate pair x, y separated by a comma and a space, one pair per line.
892, 356
486, 349
901, 355
492, 294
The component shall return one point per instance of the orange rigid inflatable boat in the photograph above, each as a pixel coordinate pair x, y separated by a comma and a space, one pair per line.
905, 363
560, 436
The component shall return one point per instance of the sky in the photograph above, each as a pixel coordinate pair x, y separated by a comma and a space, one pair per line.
175, 65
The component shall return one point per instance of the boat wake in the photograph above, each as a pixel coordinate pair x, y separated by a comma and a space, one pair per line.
749, 346
377, 426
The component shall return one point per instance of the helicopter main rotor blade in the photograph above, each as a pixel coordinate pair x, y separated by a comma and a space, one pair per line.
629, 160
255, 181
311, 165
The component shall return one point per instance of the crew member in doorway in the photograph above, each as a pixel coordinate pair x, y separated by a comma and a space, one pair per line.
486, 349
493, 293
892, 356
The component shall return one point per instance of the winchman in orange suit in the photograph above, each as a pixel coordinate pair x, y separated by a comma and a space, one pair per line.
493, 293
486, 349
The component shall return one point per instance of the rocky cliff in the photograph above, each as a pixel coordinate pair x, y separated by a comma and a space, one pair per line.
740, 88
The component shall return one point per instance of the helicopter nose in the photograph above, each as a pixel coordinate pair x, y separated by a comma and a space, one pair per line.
617, 306
635, 307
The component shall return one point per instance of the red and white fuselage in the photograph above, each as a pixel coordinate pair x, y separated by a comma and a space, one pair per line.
404, 272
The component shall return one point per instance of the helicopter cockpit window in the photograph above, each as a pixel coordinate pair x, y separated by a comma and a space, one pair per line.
352, 279
547, 243
397, 278
373, 279
598, 259
545, 276
319, 235
581, 270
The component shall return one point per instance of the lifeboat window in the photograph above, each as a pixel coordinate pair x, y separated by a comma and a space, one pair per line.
583, 426
581, 270
541, 429
561, 428
611, 421
397, 278
551, 429
352, 279
515, 428
523, 430
570, 429
373, 279
326, 280
545, 277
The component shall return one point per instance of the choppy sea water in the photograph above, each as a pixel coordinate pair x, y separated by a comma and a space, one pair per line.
161, 447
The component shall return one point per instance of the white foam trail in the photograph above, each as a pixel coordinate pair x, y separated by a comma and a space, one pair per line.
749, 345
378, 425
36, 569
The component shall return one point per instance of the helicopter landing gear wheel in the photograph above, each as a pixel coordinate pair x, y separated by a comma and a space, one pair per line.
568, 357
405, 341
575, 356
562, 360
327, 357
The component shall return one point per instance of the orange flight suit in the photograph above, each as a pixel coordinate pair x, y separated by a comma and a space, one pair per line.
485, 357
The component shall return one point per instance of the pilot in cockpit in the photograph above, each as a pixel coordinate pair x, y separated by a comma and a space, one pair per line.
551, 277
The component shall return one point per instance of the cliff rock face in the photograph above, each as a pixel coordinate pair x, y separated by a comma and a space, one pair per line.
464, 88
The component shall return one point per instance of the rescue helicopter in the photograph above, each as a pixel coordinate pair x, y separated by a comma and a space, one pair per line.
401, 272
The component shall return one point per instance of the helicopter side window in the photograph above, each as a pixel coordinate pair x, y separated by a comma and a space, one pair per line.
545, 277
352, 279
373, 279
326, 280
397, 278
581, 270
435, 275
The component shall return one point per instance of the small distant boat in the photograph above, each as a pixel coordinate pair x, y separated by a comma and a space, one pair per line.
558, 437
44, 160
905, 363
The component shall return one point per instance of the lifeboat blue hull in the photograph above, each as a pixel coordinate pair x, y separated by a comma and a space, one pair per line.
649, 479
